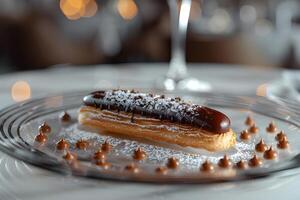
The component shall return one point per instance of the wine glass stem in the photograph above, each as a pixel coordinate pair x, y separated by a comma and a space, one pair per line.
179, 24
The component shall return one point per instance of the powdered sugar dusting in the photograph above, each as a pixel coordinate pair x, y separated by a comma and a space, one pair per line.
160, 107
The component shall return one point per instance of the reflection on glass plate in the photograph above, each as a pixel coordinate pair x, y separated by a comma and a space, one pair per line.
19, 126
288, 87
286, 90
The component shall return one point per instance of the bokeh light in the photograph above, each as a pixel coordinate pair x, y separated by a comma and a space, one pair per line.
261, 90
91, 9
20, 91
127, 9
75, 9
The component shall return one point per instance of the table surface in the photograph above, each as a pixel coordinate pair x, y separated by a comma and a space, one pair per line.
19, 180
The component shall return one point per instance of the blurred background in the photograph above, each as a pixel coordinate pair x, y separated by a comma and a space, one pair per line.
36, 34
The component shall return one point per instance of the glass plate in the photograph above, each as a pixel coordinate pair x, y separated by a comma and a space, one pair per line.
19, 126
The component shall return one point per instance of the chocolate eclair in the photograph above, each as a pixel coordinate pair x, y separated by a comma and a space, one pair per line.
157, 118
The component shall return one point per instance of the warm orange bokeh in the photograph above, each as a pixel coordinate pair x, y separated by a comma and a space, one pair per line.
261, 90
90, 9
127, 9
75, 9
20, 91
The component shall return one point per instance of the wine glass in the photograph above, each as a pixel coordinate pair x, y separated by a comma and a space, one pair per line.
177, 77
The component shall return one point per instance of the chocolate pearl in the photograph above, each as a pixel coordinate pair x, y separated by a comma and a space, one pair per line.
132, 168
261, 146
245, 135
106, 147
225, 162
44, 128
280, 136
65, 117
82, 144
241, 164
41, 138
255, 161
271, 128
99, 155
161, 170
139, 154
249, 121
172, 163
253, 129
207, 166
102, 163
70, 156
283, 144
62, 144
270, 154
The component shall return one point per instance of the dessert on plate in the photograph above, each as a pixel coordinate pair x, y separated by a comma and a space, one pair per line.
157, 118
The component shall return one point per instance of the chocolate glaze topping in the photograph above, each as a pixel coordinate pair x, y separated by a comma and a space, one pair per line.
159, 107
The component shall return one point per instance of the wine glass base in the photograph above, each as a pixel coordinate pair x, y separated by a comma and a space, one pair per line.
186, 84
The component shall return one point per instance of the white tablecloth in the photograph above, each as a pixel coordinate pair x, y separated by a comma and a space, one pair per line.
19, 180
